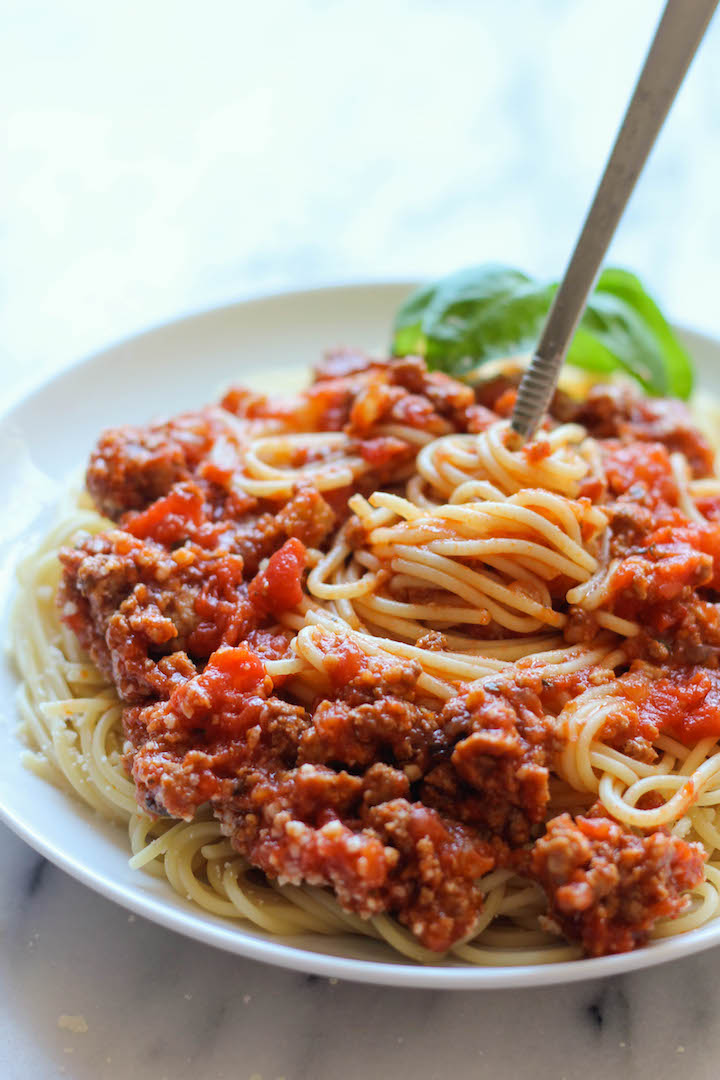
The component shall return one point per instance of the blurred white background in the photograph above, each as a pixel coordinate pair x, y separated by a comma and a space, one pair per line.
166, 156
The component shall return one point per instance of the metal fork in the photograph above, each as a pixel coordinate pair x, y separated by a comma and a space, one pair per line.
675, 43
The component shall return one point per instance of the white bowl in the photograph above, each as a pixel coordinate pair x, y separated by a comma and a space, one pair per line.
180, 366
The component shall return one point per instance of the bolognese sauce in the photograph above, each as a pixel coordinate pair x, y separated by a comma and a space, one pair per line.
362, 777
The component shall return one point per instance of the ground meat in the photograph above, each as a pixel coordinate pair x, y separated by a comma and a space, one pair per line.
193, 510
433, 887
631, 734
630, 523
400, 857
257, 539
191, 749
433, 641
356, 394
431, 394
357, 678
667, 575
687, 632
657, 588
382, 783
373, 713
141, 610
307, 517
492, 754
382, 402
581, 626
212, 518
132, 466
607, 887
612, 411
389, 728
270, 643
223, 737
449, 397
289, 826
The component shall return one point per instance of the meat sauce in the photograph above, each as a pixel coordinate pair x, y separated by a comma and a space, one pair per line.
683, 702
395, 801
606, 886
667, 572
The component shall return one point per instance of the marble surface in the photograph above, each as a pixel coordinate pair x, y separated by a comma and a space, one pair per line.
169, 156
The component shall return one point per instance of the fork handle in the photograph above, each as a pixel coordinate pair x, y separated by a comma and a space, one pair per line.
676, 40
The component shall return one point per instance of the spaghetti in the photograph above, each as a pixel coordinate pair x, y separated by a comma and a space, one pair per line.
355, 662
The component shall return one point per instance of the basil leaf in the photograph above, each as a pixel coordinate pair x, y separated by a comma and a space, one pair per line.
678, 366
492, 311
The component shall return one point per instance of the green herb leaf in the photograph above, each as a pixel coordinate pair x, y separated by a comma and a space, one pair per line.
676, 363
492, 311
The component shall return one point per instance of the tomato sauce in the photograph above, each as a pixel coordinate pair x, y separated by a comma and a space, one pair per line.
278, 588
683, 703
168, 520
642, 470
703, 537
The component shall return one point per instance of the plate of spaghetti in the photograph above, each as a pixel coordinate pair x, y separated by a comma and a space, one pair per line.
312, 662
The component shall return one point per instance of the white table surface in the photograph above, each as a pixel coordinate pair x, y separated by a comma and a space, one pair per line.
167, 156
